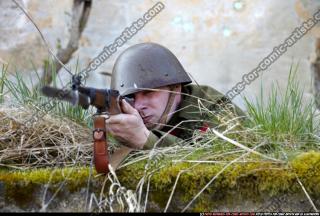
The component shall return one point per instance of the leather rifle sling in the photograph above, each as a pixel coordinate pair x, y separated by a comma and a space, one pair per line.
101, 155
100, 146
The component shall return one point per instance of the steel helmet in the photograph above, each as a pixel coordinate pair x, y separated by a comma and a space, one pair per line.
146, 65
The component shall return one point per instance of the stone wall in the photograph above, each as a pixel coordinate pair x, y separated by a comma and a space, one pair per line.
216, 41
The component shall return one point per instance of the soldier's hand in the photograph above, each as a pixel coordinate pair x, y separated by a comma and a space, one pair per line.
128, 127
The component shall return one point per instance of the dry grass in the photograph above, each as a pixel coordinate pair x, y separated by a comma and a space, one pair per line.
49, 141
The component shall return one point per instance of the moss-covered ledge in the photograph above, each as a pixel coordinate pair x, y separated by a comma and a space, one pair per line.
251, 186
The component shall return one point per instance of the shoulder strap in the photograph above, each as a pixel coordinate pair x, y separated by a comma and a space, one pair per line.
164, 116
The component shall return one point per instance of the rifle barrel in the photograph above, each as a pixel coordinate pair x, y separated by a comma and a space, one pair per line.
73, 97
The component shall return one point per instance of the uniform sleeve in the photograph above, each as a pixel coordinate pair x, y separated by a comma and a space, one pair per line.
161, 138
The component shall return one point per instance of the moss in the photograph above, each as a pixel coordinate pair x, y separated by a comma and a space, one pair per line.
19, 185
307, 168
250, 180
42, 176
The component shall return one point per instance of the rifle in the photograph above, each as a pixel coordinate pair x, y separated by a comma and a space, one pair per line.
107, 102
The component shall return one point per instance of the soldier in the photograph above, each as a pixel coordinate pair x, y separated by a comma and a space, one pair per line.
166, 104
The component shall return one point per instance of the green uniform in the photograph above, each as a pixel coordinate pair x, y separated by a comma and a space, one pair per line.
192, 115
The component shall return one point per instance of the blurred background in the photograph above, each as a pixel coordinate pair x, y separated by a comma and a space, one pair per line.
216, 41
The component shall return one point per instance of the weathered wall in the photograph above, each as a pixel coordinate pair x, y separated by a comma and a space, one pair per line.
216, 41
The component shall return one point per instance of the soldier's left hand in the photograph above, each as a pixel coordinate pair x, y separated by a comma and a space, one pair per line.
128, 127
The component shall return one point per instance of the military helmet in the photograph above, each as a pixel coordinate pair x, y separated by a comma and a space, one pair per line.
146, 65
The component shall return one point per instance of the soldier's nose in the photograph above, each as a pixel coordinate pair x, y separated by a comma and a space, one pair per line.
139, 105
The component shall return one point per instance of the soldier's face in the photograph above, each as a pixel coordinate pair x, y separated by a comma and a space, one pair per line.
151, 104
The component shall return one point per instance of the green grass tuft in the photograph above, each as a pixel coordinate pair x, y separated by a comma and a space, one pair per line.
2, 81
285, 118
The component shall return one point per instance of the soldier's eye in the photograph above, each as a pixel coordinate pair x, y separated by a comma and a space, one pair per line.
131, 96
